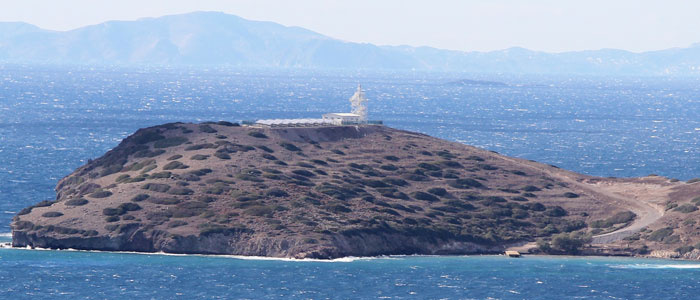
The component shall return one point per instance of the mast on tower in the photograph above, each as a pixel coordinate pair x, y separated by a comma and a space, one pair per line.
357, 101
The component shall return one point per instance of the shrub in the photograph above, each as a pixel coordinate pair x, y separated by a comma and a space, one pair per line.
200, 147
228, 124
389, 167
696, 200
175, 165
429, 167
260, 211
139, 165
415, 177
176, 223
76, 202
519, 173
222, 155
265, 148
337, 208
257, 134
111, 219
148, 153
129, 206
200, 172
336, 151
207, 129
395, 181
290, 147
160, 175
570, 195
275, 192
684, 249
180, 191
269, 156
335, 191
122, 178
111, 211
686, 208
199, 157
424, 196
445, 154
170, 142
147, 137
519, 199
694, 180
451, 164
391, 158
660, 234
438, 191
535, 206
101, 194
140, 197
487, 167
556, 211
465, 183
569, 243
52, 214
304, 173
392, 193
474, 158
531, 188
389, 211
164, 201
375, 183
305, 165
188, 209
156, 187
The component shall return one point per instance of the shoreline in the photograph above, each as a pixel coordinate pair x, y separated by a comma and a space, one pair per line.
348, 259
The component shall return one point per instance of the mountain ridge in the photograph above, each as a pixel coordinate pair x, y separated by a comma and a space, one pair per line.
216, 38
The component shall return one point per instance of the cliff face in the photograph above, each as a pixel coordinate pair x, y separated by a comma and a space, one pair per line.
218, 188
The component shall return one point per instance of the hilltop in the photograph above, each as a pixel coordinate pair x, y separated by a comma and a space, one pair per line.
328, 192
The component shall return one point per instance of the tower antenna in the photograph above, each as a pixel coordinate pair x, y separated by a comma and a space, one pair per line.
357, 101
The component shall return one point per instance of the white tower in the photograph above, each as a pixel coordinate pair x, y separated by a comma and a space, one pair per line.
357, 101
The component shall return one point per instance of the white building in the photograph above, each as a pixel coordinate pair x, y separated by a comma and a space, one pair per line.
342, 118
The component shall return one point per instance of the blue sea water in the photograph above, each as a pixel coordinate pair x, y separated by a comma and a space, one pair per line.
53, 120
27, 274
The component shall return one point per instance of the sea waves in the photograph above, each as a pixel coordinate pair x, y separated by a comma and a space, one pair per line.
656, 266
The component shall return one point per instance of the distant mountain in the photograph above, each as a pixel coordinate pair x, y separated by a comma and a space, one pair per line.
213, 38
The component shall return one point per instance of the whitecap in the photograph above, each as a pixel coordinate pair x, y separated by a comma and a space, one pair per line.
656, 266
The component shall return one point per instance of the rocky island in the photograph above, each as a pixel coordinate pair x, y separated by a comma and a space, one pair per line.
335, 191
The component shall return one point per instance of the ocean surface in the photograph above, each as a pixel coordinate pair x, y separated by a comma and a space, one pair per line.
53, 120
27, 274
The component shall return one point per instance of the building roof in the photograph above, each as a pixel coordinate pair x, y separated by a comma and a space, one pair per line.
291, 121
342, 115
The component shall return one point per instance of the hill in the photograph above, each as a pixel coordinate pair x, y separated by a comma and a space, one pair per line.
327, 192
218, 39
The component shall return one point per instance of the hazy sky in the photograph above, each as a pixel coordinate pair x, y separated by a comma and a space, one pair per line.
548, 25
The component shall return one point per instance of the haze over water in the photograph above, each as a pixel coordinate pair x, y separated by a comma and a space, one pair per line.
53, 119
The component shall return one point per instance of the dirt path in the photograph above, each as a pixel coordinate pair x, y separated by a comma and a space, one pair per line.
646, 200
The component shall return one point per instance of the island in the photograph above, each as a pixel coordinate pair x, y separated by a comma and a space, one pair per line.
333, 191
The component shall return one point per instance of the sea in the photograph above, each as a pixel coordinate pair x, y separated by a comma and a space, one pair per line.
53, 119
